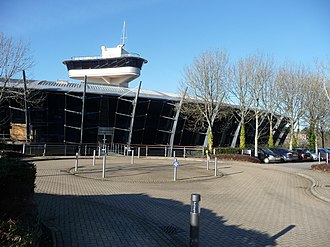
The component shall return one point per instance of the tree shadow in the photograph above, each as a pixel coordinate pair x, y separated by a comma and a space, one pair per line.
138, 220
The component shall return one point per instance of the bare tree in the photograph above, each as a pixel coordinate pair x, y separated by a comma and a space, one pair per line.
317, 107
14, 58
260, 73
292, 82
239, 94
206, 81
270, 97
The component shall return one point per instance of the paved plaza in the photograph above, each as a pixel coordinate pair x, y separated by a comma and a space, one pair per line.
140, 205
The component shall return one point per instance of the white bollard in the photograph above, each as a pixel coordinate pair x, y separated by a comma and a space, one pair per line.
23, 151
207, 162
174, 154
327, 158
103, 165
76, 163
139, 152
44, 153
94, 151
175, 166
132, 158
215, 166
319, 158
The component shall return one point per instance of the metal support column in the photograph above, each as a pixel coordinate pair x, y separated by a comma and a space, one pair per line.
82, 115
133, 114
234, 141
175, 123
26, 110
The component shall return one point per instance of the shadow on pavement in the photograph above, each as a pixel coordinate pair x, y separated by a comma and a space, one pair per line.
126, 220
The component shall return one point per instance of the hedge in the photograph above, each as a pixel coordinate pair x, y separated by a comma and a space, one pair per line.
19, 224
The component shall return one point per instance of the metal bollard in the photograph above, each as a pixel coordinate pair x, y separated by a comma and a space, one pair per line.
139, 152
174, 154
194, 220
327, 158
23, 151
319, 158
103, 165
76, 163
94, 151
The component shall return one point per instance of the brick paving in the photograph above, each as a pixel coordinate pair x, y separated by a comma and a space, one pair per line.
140, 204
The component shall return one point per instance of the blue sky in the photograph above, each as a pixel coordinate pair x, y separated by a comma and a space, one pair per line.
169, 34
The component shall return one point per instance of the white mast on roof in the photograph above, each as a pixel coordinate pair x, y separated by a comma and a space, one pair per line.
123, 35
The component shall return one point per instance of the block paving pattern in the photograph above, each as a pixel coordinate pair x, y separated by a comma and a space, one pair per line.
140, 205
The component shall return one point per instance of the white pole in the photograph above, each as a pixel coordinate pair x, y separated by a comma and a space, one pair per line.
23, 151
76, 163
94, 151
174, 154
215, 167
132, 159
103, 165
207, 162
319, 158
165, 151
139, 152
45, 146
327, 158
175, 173
184, 152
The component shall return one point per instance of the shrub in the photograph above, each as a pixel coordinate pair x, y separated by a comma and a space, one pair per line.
221, 150
18, 214
17, 233
239, 157
17, 179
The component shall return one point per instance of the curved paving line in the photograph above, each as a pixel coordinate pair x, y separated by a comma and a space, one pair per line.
312, 188
151, 181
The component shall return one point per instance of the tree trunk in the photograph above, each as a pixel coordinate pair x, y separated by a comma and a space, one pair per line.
242, 136
256, 135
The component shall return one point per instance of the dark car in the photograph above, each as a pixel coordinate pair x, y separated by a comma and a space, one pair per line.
265, 155
303, 154
288, 155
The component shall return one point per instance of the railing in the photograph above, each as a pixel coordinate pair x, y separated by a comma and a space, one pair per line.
113, 149
131, 54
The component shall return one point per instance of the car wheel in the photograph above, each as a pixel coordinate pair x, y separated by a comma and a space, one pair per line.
266, 160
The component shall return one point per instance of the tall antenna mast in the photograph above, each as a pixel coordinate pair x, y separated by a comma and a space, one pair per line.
123, 34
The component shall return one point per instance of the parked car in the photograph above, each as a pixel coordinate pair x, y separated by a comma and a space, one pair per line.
265, 155
288, 155
303, 154
324, 153
314, 155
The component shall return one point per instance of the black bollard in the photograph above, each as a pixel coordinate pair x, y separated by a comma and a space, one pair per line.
194, 220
